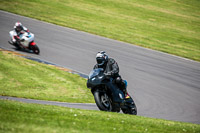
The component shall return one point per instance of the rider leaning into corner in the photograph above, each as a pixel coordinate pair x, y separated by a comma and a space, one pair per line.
111, 70
18, 30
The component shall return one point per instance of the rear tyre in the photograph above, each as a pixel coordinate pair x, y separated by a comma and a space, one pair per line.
131, 109
15, 44
103, 101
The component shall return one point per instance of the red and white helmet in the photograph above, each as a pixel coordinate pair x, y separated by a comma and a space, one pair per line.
18, 26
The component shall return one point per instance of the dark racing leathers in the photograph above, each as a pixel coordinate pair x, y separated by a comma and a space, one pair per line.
111, 69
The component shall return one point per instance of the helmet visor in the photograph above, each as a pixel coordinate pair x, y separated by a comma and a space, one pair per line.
18, 28
100, 60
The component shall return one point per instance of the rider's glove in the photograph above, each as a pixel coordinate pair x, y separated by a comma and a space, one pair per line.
17, 38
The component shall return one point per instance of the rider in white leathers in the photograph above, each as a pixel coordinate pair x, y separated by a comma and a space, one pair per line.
18, 30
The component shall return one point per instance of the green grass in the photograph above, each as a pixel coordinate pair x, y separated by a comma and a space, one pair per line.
29, 118
171, 26
21, 77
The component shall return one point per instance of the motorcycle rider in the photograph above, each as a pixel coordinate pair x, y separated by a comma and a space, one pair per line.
18, 30
111, 69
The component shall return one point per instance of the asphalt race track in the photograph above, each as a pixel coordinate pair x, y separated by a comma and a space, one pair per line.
88, 106
162, 85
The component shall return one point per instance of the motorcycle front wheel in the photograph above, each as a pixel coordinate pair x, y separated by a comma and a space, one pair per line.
103, 101
35, 49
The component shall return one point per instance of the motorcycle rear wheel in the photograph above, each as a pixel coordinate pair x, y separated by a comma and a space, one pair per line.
132, 109
15, 44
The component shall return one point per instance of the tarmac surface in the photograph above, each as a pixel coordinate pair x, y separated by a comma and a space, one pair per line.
162, 85
87, 106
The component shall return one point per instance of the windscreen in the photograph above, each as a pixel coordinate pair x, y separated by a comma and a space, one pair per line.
95, 72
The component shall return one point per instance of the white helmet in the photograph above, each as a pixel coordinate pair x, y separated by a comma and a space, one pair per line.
101, 58
18, 26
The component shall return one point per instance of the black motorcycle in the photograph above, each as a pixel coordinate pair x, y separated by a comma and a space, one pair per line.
107, 95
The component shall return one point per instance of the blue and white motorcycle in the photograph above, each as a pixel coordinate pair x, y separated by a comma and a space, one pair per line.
24, 41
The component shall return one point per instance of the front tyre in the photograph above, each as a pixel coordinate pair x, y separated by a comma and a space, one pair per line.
103, 101
35, 49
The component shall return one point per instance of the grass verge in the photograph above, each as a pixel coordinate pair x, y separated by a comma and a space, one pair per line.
22, 117
166, 25
21, 77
